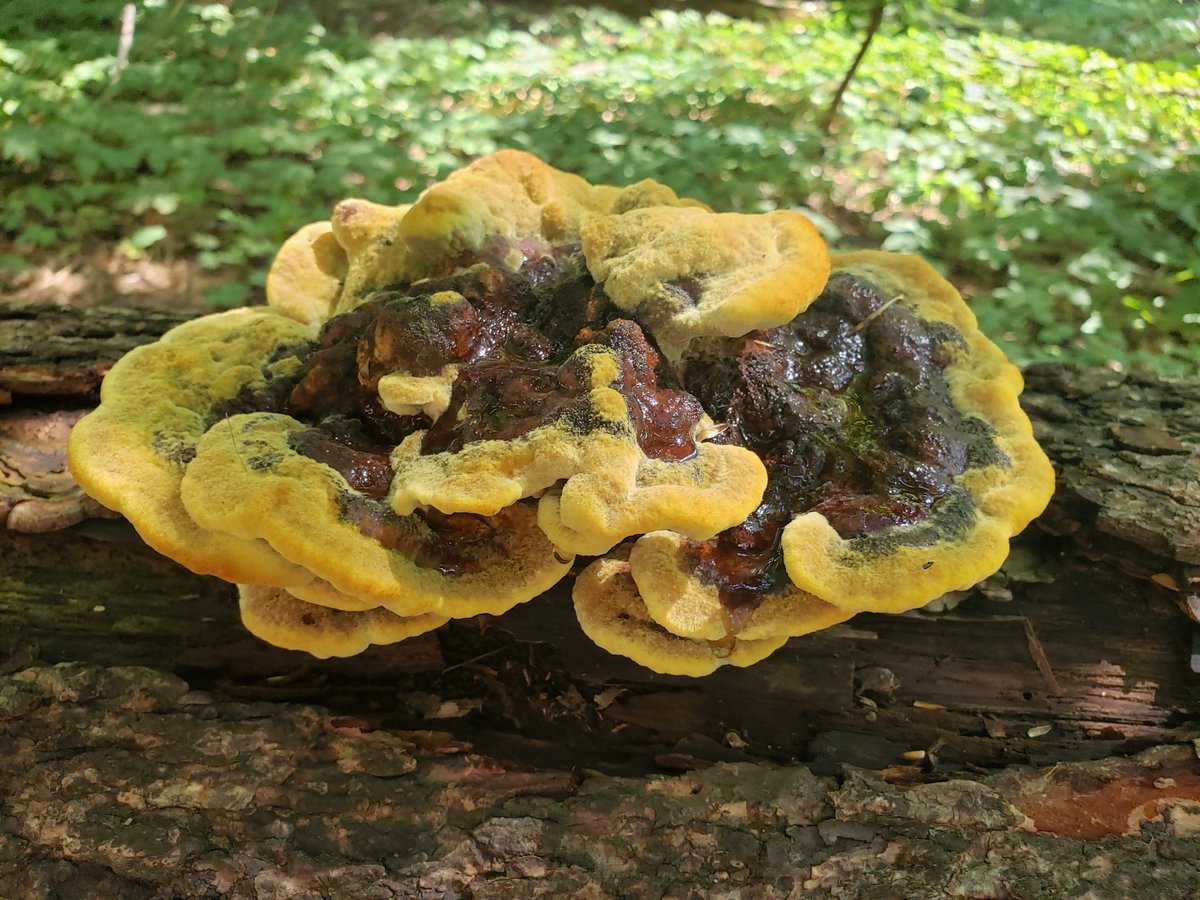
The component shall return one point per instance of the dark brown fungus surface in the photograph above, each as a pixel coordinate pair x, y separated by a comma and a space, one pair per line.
848, 407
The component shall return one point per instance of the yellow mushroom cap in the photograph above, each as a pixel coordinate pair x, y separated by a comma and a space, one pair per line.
281, 619
131, 453
410, 395
247, 480
679, 599
700, 496
613, 615
690, 273
306, 277
487, 475
507, 194
517, 362
509, 205
605, 485
960, 536
368, 235
319, 592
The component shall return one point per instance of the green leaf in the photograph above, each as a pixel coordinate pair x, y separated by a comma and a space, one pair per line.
38, 236
147, 237
227, 296
1043, 154
21, 145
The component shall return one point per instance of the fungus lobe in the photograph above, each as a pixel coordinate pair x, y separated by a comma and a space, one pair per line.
446, 402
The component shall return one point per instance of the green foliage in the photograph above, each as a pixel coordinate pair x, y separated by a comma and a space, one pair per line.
1058, 182
1148, 29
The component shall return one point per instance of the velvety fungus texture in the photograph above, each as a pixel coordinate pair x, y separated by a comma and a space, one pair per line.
445, 403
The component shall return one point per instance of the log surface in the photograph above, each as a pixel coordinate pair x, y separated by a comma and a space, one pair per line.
66, 351
122, 782
510, 757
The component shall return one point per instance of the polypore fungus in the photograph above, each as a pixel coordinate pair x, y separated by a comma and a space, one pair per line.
899, 462
444, 403
306, 277
156, 403
283, 620
691, 273
316, 501
963, 472
613, 614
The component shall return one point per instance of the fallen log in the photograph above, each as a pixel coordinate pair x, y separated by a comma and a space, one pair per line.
1048, 715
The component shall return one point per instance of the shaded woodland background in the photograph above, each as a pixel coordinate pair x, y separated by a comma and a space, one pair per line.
1036, 739
1043, 155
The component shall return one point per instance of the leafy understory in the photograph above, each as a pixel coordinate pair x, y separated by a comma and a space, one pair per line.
1058, 184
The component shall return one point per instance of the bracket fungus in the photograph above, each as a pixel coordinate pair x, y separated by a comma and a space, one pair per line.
445, 403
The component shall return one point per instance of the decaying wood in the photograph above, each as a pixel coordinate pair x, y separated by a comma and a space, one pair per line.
63, 351
123, 782
989, 747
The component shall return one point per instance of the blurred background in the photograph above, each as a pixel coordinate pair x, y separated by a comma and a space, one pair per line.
1045, 156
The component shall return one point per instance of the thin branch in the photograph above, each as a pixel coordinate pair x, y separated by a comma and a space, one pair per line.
128, 17
872, 28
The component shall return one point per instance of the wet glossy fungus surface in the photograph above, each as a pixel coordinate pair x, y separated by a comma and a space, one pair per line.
849, 409
847, 405
509, 335
505, 399
455, 544
340, 444
510, 338
664, 417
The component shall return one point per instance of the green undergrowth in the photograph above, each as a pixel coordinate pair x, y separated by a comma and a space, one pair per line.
1057, 184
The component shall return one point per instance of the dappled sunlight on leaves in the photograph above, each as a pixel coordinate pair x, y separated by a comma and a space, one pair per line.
1058, 181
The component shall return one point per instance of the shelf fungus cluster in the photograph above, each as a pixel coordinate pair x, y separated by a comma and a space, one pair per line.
731, 436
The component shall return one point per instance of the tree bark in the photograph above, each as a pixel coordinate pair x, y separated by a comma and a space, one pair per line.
63, 351
1033, 737
123, 782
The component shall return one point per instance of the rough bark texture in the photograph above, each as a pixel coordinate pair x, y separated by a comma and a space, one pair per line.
1033, 740
64, 351
122, 782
